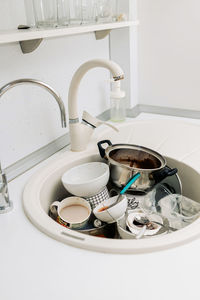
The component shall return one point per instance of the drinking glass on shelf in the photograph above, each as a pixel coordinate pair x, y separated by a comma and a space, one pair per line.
89, 11
45, 12
107, 11
63, 12
30, 20
75, 9
115, 10
104, 9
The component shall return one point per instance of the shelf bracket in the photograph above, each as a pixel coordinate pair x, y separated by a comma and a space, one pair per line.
30, 45
101, 34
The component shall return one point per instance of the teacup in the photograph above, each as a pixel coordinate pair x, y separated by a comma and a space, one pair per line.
111, 214
72, 212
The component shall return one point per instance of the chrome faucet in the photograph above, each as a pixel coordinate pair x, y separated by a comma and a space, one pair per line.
80, 133
5, 203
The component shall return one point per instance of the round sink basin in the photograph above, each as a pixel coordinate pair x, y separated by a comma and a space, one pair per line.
45, 187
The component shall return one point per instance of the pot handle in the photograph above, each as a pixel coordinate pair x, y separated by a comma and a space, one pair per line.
101, 149
158, 176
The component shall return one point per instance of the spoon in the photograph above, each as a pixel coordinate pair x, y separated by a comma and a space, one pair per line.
145, 221
164, 226
129, 183
141, 233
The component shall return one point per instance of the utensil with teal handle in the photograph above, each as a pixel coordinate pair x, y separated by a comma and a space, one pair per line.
129, 183
127, 186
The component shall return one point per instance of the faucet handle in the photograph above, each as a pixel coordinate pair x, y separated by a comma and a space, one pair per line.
111, 126
94, 122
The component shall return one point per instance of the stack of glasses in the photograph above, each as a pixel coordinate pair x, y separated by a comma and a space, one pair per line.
54, 13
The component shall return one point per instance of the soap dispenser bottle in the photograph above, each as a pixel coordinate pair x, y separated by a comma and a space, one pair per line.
117, 102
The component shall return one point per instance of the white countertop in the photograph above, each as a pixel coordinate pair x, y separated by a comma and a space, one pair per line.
34, 266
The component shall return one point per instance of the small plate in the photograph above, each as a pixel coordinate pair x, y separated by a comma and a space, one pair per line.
124, 233
136, 229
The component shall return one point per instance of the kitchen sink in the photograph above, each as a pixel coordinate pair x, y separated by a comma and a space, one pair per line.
176, 140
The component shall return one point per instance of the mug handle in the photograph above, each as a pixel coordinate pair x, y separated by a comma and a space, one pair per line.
54, 205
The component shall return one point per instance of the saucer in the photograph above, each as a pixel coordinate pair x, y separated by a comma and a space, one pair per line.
124, 232
135, 228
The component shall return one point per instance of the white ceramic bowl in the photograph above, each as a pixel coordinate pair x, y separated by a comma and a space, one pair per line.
112, 214
86, 180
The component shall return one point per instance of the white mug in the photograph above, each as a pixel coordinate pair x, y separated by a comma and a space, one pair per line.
79, 221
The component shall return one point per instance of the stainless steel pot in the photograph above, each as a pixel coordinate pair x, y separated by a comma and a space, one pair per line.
125, 160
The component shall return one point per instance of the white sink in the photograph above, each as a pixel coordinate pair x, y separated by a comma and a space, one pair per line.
176, 140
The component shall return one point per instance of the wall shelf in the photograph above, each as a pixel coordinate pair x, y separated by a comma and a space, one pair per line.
34, 36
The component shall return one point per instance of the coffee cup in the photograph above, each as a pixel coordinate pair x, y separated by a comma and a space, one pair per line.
72, 212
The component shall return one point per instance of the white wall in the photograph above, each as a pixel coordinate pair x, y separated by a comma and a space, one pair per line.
169, 53
29, 117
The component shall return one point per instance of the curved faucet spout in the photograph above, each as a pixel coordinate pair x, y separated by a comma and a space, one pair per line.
5, 203
14, 83
114, 68
80, 133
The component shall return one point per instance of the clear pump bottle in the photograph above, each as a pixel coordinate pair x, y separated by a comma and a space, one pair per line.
117, 103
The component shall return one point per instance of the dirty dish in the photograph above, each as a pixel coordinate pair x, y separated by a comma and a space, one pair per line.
72, 212
150, 200
129, 183
124, 232
86, 180
103, 230
111, 215
145, 221
135, 226
127, 159
170, 185
180, 210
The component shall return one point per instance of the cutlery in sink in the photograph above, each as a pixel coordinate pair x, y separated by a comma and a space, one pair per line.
127, 186
145, 221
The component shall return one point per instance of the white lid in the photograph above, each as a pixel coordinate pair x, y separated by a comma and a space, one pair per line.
116, 91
